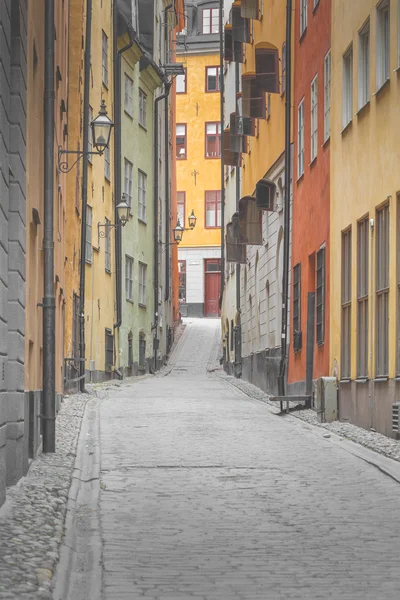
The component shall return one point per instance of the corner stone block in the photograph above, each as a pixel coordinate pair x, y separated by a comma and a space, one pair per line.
16, 288
16, 230
16, 317
16, 346
14, 460
15, 377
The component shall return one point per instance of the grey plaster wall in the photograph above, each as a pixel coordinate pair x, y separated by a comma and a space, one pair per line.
13, 403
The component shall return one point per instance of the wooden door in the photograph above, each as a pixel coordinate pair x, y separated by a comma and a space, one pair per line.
212, 286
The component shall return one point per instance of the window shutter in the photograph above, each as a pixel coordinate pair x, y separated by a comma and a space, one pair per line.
249, 9
228, 43
267, 69
250, 221
240, 26
230, 158
265, 194
253, 97
238, 53
235, 252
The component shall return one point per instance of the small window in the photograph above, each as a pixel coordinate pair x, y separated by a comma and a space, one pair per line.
320, 296
128, 102
142, 284
327, 96
107, 246
182, 281
297, 307
90, 135
89, 247
104, 63
346, 306
210, 20
283, 67
383, 44
129, 278
107, 163
267, 70
181, 83
142, 184
128, 167
142, 109
109, 349
363, 65
303, 16
347, 92
181, 141
181, 202
213, 140
213, 209
212, 79
300, 139
362, 297
314, 118
382, 291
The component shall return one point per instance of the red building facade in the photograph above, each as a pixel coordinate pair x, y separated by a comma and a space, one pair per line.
311, 196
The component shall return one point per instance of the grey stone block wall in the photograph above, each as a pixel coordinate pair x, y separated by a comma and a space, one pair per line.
13, 92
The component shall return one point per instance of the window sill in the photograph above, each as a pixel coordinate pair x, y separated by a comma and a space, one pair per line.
321, 344
345, 380
313, 162
108, 179
315, 8
142, 305
382, 88
143, 127
212, 157
328, 139
142, 221
180, 158
212, 227
397, 378
299, 179
96, 248
363, 109
88, 262
302, 35
108, 271
129, 300
128, 114
347, 127
361, 380
105, 85
382, 379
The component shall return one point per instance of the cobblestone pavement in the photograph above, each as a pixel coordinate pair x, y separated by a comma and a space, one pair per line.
206, 494
32, 518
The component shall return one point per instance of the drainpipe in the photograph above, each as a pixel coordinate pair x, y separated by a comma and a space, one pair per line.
167, 159
49, 302
86, 92
238, 308
222, 90
286, 232
155, 230
117, 160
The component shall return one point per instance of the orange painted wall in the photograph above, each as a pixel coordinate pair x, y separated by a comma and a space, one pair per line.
311, 200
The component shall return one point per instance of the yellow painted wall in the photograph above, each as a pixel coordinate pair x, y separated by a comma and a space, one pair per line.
195, 108
100, 285
365, 162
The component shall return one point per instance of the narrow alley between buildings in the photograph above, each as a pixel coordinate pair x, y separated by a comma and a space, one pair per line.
205, 494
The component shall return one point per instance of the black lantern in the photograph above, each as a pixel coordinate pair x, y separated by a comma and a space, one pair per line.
192, 220
178, 232
123, 209
101, 129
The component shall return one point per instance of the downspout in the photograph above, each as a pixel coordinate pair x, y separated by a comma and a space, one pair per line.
286, 232
117, 160
155, 229
86, 93
238, 359
222, 90
167, 159
49, 302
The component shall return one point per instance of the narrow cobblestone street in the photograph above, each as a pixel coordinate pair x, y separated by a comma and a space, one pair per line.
205, 494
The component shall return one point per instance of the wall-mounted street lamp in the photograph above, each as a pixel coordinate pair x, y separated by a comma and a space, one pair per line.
101, 128
123, 209
178, 229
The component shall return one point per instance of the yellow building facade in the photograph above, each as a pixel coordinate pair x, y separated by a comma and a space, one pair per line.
198, 172
365, 216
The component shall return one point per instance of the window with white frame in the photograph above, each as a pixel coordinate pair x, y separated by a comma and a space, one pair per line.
210, 20
363, 65
327, 96
90, 134
382, 43
303, 16
107, 163
128, 104
129, 278
142, 184
104, 59
128, 168
347, 91
88, 240
382, 292
142, 109
314, 118
107, 246
181, 83
300, 139
142, 284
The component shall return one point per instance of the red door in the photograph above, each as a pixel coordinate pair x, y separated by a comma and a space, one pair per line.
212, 287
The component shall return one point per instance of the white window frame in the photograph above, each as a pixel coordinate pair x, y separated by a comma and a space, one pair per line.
300, 139
347, 90
327, 96
382, 43
90, 135
128, 102
181, 83
128, 180
107, 163
303, 16
213, 24
142, 186
142, 108
142, 284
107, 246
314, 118
128, 278
364, 63
104, 57
88, 237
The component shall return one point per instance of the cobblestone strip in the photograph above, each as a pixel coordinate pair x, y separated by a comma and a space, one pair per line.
32, 518
370, 439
